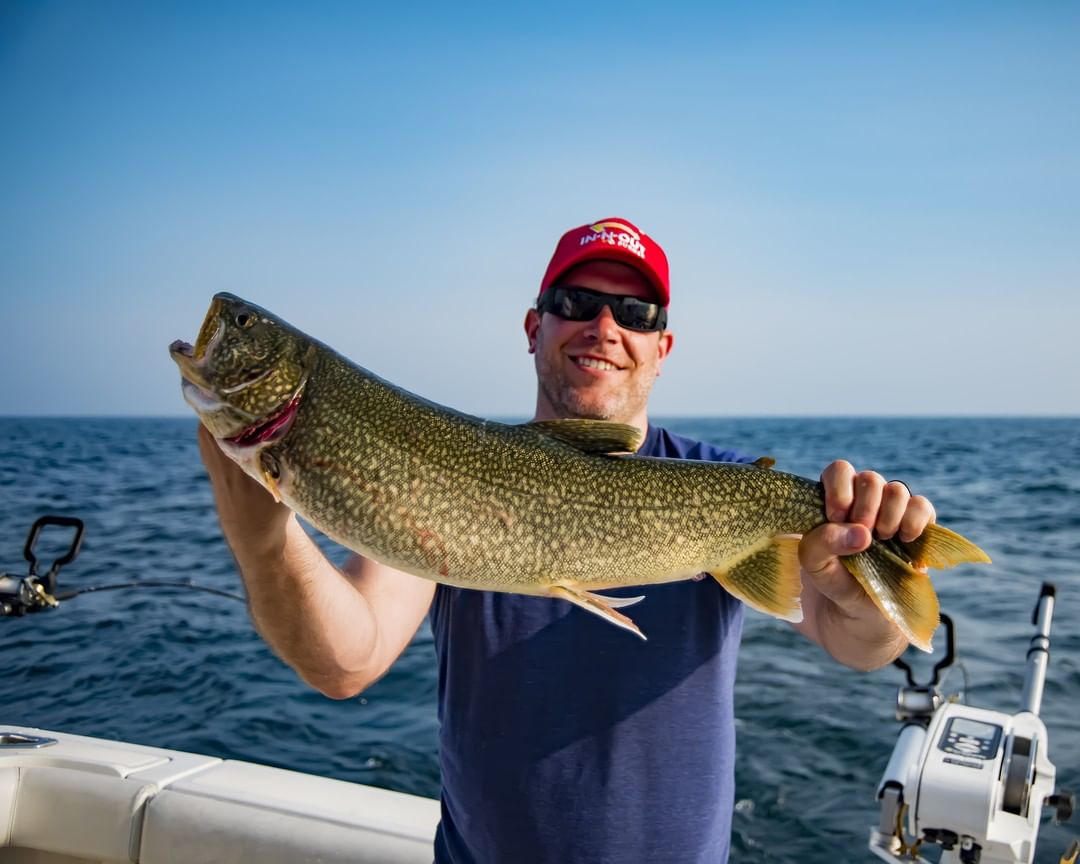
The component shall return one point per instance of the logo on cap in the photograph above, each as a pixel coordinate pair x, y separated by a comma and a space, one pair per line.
600, 226
615, 234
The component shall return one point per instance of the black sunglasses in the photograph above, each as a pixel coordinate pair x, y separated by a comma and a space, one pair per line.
582, 304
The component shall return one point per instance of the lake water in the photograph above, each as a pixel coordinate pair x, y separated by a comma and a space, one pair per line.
185, 670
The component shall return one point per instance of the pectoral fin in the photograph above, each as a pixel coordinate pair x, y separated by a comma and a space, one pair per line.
600, 605
271, 471
271, 486
767, 577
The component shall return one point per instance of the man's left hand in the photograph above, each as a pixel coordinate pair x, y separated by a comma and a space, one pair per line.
860, 507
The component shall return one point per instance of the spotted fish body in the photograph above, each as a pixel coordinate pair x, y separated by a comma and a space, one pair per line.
542, 509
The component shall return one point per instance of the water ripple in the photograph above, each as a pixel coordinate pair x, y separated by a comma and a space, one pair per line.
185, 670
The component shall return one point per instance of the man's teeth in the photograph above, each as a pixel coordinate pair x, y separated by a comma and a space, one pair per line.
596, 364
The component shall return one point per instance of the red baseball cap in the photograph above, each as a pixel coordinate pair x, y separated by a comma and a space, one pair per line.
615, 240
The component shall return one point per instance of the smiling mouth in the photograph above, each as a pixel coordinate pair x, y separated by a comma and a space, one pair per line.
594, 363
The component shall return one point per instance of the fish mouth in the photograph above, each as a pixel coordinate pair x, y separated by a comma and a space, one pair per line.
250, 382
270, 428
183, 354
182, 348
191, 369
212, 330
193, 357
199, 398
191, 361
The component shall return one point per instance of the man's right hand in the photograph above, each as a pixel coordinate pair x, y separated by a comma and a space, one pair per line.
250, 517
340, 629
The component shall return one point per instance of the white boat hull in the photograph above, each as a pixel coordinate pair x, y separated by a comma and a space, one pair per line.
88, 799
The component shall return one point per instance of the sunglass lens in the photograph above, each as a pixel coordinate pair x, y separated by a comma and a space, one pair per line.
575, 305
581, 304
636, 314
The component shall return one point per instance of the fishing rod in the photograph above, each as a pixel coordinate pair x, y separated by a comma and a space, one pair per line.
970, 780
34, 592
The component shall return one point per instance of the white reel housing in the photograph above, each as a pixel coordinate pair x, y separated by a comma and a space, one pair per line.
984, 776
971, 780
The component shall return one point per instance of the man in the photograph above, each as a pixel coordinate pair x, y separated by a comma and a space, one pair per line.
562, 739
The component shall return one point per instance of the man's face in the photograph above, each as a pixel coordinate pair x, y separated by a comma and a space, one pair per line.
596, 369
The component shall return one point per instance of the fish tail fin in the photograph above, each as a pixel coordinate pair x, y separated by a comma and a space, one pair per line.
940, 548
904, 595
767, 577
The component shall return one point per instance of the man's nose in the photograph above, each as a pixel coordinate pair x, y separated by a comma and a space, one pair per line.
604, 325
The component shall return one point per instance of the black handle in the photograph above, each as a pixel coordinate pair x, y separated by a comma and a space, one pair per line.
1047, 590
944, 663
49, 581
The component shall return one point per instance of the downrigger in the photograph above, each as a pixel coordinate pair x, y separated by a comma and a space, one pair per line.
970, 780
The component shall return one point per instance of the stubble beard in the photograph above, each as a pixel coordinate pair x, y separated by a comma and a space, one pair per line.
583, 403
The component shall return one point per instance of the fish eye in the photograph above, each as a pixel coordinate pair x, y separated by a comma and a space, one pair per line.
244, 319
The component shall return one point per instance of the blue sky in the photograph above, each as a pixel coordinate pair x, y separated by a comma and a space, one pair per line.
869, 208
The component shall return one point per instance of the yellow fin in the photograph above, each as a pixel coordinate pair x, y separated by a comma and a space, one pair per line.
592, 436
767, 577
903, 594
599, 605
764, 462
614, 602
268, 466
939, 548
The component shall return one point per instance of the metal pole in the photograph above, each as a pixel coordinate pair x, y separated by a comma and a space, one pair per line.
1038, 655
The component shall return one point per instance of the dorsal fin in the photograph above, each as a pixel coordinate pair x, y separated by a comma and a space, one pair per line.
592, 436
764, 462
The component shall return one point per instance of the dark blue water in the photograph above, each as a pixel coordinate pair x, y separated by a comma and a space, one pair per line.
185, 670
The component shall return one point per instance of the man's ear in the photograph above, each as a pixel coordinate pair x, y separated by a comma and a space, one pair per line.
532, 324
663, 348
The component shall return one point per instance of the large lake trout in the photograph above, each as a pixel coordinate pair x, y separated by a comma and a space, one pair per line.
558, 508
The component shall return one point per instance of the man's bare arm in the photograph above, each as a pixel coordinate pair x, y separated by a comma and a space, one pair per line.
340, 630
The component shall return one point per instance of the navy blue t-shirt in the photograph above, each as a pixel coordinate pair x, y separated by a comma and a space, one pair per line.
566, 740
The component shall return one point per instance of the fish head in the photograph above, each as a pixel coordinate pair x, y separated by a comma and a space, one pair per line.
245, 371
